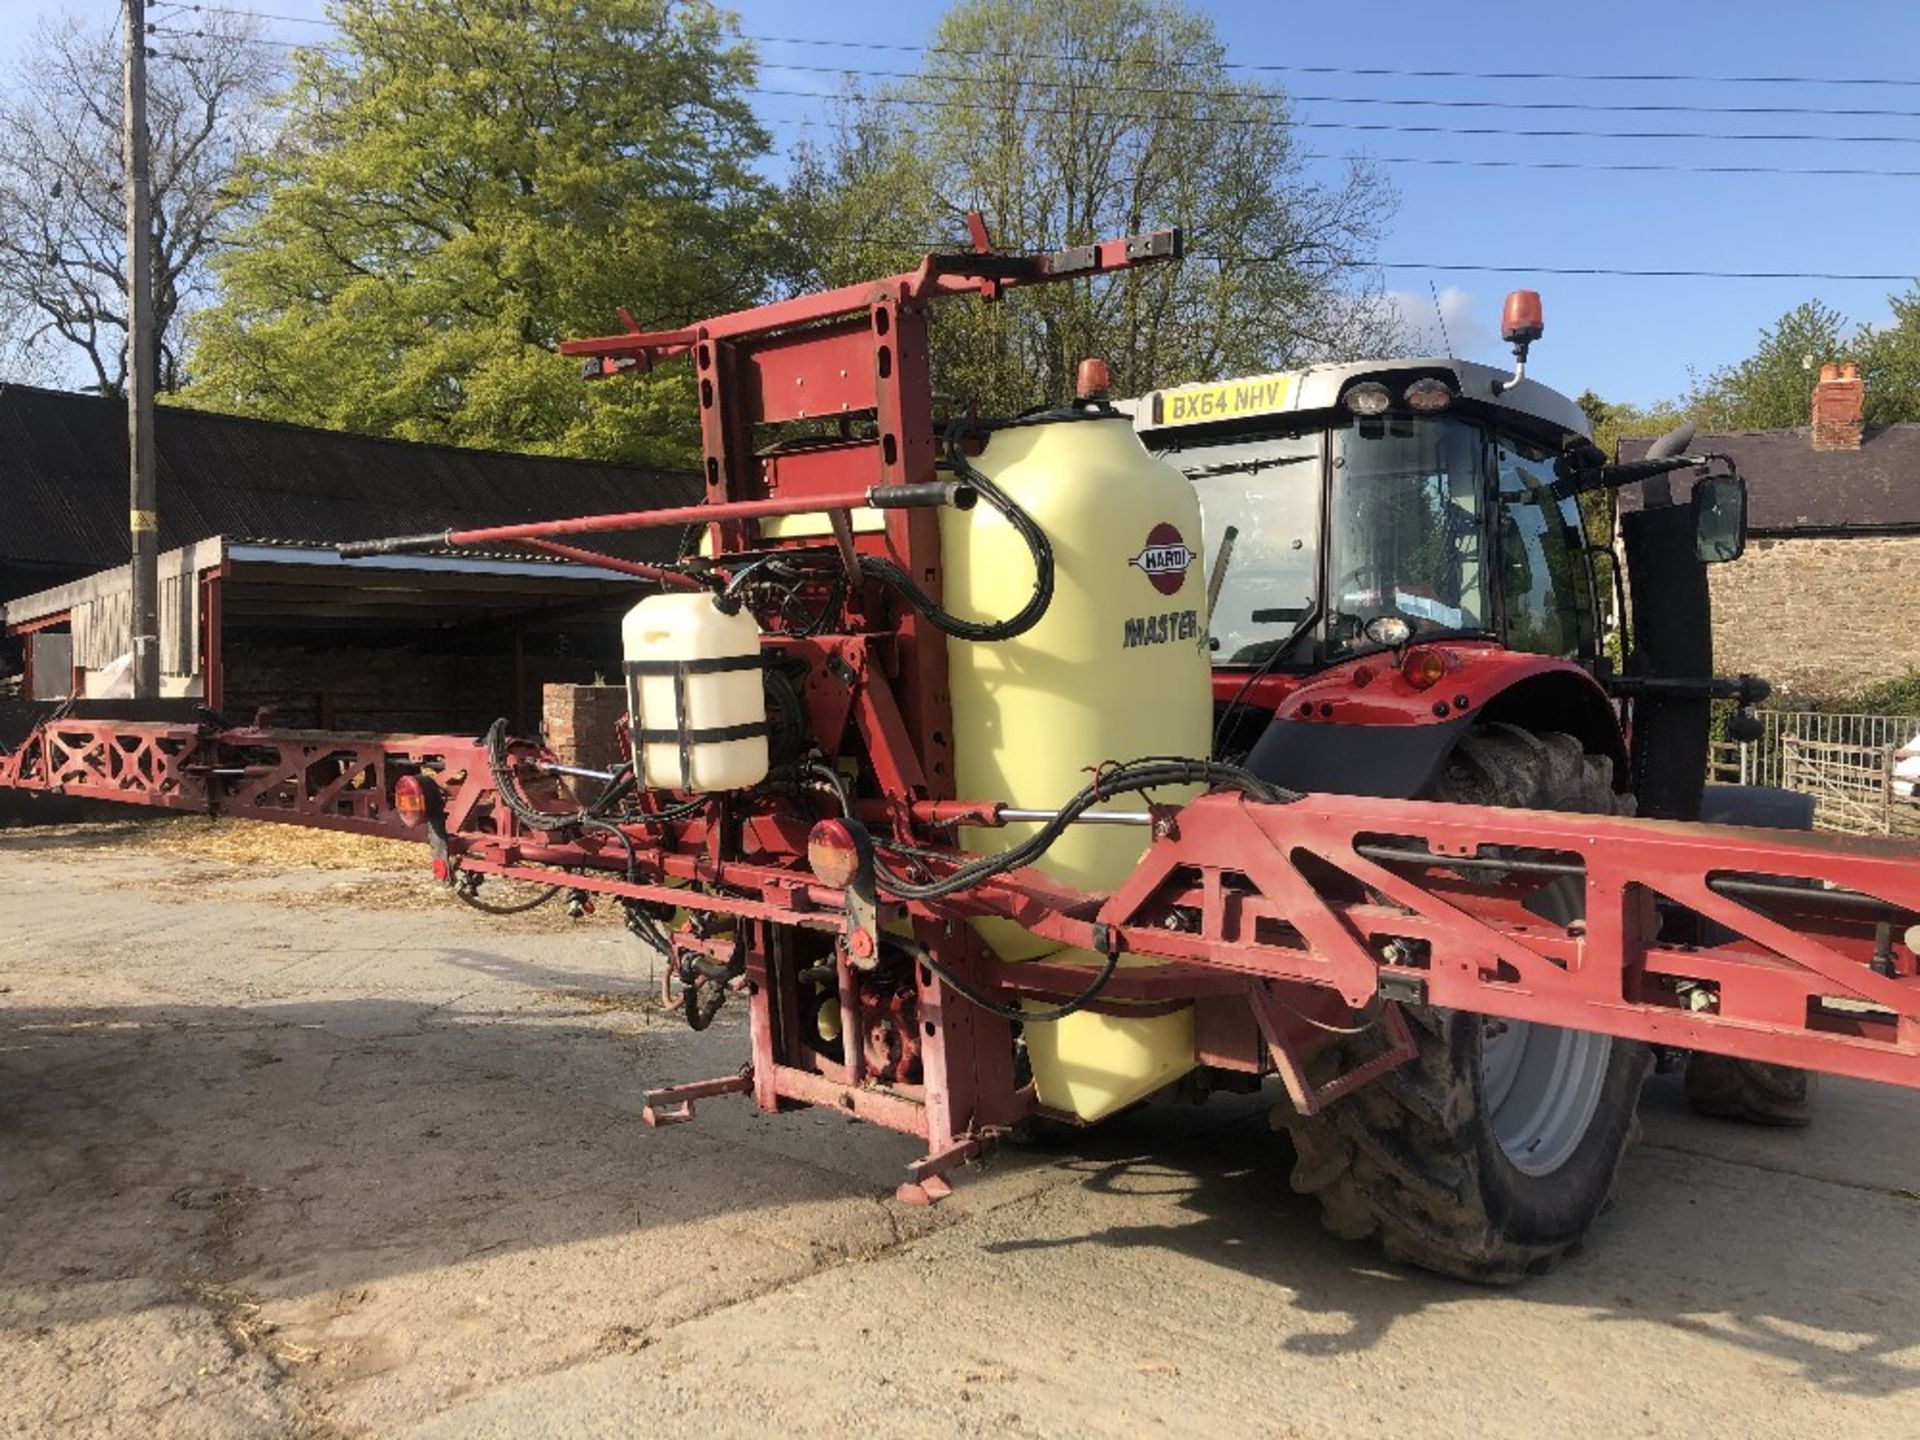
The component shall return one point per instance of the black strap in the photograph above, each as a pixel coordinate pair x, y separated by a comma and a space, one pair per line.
682, 736
712, 735
715, 666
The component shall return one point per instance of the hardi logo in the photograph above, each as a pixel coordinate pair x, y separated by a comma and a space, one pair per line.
1166, 559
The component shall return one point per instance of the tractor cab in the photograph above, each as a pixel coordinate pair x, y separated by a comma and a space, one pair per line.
1400, 545
1351, 521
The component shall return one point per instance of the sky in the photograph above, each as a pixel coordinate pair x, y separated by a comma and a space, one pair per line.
1630, 338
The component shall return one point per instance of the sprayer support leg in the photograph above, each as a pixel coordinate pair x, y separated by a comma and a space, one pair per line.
926, 1180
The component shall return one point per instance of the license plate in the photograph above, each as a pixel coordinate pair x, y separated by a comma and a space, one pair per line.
1228, 400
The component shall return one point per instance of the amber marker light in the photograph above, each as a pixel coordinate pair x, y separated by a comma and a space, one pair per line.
1422, 669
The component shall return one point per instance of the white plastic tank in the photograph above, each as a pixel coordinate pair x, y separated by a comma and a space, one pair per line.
694, 694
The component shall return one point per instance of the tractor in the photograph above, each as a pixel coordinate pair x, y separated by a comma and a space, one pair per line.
1407, 600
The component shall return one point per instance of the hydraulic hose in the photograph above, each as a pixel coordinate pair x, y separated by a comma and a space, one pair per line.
1136, 776
522, 809
1132, 777
530, 814
519, 907
1023, 525
1013, 1012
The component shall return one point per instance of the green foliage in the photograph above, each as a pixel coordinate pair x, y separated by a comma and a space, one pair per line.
1772, 389
1611, 423
1069, 121
468, 183
1889, 361
1898, 696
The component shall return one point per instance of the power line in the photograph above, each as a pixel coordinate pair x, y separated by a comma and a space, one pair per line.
1347, 126
1293, 97
1602, 270
1369, 71
908, 243
1376, 71
249, 14
173, 34
1625, 166
1360, 127
1437, 267
1357, 127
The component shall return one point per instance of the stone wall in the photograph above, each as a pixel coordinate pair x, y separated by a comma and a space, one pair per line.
1819, 618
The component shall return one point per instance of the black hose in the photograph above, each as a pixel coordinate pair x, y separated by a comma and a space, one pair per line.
1134, 776
519, 908
1013, 1012
617, 790
670, 814
589, 822
522, 809
528, 813
1023, 524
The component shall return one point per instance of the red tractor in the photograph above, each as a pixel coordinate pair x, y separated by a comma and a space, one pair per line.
1406, 600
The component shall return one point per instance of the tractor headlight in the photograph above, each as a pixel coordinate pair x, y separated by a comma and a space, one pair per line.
1369, 397
1428, 396
1388, 630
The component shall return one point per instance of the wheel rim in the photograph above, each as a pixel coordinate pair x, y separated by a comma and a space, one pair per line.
1542, 1087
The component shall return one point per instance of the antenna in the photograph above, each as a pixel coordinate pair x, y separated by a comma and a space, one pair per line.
1441, 316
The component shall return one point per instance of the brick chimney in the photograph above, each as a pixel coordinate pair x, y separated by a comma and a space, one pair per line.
1839, 402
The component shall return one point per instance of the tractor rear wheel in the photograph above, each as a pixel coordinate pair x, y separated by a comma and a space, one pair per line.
1749, 1090
1490, 1155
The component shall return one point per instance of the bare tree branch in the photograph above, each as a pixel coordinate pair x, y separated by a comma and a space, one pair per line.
1014, 113
62, 177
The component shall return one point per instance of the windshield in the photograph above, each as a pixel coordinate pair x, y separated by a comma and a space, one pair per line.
1265, 489
1431, 520
1405, 534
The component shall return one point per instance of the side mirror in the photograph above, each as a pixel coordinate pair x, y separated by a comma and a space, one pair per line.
1719, 518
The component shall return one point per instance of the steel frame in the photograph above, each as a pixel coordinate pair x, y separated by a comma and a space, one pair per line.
1277, 920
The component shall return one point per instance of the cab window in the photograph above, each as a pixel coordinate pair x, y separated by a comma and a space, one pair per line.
1545, 582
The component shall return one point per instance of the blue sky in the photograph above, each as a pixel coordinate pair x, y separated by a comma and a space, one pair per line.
1629, 338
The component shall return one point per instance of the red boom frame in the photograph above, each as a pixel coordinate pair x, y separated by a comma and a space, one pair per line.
1271, 919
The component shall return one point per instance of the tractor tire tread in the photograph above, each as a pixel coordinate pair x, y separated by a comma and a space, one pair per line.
1749, 1090
1395, 1164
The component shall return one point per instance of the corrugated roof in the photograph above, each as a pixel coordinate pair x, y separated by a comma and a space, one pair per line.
1792, 487
63, 483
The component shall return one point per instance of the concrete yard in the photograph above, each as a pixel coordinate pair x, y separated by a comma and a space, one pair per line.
310, 1152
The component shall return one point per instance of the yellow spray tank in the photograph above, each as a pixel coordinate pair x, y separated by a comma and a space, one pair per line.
1116, 670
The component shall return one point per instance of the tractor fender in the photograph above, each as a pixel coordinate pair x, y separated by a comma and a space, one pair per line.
1401, 757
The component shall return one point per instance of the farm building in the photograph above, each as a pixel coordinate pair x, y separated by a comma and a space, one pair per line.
1822, 603
256, 607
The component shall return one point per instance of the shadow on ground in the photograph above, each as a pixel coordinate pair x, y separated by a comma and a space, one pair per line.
294, 1149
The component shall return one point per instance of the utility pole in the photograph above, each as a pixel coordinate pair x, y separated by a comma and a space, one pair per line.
144, 520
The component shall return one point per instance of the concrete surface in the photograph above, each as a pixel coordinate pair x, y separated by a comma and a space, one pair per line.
331, 1171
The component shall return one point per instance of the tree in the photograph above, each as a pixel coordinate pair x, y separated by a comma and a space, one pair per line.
27, 356
1612, 422
62, 188
1889, 360
469, 182
1073, 121
1772, 389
